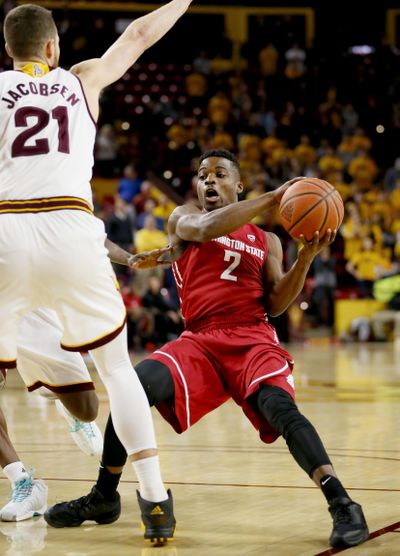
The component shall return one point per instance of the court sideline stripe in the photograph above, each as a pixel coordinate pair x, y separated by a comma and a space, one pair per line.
229, 451
388, 529
228, 448
230, 485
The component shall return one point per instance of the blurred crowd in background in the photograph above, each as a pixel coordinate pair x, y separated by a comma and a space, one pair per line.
285, 111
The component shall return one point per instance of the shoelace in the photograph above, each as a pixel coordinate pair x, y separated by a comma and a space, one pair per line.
80, 425
342, 514
23, 488
82, 502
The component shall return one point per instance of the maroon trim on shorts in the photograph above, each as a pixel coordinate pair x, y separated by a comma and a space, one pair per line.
48, 204
8, 364
64, 389
97, 343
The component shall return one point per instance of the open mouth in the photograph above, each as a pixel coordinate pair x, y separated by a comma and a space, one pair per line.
211, 195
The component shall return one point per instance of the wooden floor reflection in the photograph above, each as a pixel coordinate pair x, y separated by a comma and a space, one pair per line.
234, 496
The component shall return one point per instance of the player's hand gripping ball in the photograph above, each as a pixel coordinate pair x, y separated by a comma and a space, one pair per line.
311, 205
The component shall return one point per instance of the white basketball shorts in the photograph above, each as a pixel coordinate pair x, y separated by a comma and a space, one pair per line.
57, 260
41, 360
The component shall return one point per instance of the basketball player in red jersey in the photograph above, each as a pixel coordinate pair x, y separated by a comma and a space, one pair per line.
229, 276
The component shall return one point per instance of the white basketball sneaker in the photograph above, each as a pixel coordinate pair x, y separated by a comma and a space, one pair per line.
28, 498
87, 436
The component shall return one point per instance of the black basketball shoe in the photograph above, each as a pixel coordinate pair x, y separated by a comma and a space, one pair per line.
349, 525
158, 519
92, 507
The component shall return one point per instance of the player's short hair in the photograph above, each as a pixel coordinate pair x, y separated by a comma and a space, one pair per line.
221, 153
27, 28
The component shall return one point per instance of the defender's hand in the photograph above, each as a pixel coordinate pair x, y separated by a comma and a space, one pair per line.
150, 259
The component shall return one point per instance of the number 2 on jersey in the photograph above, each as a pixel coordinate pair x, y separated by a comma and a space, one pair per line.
229, 255
41, 146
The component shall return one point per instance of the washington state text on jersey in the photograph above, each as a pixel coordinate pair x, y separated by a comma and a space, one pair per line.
240, 246
43, 89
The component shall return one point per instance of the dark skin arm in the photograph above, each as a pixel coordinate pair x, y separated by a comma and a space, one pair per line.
147, 259
188, 223
282, 289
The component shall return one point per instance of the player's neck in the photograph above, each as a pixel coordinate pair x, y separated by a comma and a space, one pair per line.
34, 67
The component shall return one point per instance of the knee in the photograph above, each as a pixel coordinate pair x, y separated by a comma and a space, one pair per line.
86, 407
90, 408
156, 380
280, 410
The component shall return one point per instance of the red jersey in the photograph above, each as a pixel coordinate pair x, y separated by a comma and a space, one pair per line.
222, 281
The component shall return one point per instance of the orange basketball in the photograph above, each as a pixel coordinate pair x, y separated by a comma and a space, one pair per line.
311, 205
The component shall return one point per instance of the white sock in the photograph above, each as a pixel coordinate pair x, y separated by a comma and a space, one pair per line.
15, 472
148, 473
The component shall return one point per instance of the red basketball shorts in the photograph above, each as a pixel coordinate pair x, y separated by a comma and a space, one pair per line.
213, 365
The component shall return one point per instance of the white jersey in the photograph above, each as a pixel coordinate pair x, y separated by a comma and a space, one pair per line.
46, 138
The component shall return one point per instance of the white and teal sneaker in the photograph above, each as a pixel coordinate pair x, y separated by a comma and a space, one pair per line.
28, 498
87, 436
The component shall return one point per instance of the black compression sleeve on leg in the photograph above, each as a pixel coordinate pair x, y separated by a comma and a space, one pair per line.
279, 409
156, 380
114, 454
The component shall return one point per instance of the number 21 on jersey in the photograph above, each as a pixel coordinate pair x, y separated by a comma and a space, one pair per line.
235, 258
35, 120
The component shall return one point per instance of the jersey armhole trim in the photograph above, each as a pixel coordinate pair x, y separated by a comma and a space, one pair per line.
86, 101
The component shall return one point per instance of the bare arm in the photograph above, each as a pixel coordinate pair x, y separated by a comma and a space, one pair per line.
137, 37
188, 223
282, 289
116, 254
147, 259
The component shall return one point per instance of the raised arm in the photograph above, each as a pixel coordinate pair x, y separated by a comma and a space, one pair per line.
188, 223
282, 289
137, 37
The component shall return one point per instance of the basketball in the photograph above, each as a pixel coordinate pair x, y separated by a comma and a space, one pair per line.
311, 205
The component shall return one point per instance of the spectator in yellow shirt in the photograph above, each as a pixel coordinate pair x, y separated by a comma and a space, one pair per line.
304, 152
163, 209
367, 265
330, 162
361, 141
149, 237
363, 163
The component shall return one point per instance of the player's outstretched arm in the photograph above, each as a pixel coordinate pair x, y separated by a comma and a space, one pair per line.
147, 259
116, 254
282, 289
137, 37
151, 259
187, 223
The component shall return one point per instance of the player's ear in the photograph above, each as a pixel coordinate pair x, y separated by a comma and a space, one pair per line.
49, 49
239, 187
9, 53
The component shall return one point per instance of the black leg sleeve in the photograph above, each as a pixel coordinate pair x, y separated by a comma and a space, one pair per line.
302, 439
159, 387
156, 380
114, 454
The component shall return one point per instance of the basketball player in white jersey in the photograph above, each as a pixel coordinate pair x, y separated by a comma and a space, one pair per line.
63, 377
52, 250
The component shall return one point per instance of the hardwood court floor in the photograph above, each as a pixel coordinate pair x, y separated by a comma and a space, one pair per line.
234, 496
